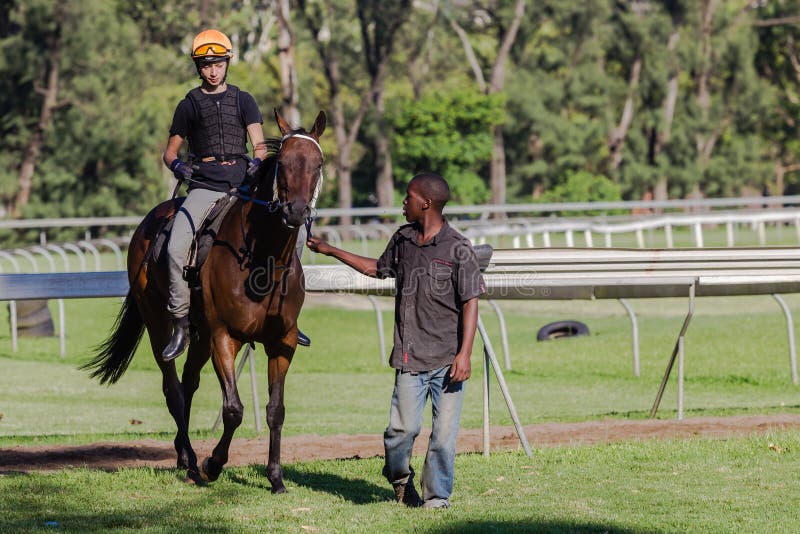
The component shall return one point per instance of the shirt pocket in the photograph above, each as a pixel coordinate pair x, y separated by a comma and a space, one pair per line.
440, 283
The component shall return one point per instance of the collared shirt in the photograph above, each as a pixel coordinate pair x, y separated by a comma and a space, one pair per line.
434, 280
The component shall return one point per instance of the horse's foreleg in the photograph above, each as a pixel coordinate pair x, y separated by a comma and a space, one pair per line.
279, 362
224, 358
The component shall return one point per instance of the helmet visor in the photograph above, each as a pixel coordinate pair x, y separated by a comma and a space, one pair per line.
211, 49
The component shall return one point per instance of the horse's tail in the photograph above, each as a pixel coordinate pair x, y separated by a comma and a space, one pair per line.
113, 355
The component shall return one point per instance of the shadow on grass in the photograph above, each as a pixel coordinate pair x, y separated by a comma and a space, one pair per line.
356, 491
50, 506
108, 457
484, 527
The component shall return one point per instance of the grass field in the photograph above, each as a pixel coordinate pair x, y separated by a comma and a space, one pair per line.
736, 362
695, 485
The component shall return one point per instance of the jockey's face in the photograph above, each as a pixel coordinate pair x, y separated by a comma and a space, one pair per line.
214, 74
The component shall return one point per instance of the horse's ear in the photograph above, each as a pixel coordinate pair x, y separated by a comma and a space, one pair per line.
319, 125
282, 124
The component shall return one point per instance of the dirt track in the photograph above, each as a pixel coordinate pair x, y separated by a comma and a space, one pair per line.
111, 456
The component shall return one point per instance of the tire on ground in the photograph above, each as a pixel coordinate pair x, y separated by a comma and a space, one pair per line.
561, 329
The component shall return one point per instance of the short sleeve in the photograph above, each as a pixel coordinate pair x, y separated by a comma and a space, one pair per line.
250, 112
470, 283
181, 119
387, 263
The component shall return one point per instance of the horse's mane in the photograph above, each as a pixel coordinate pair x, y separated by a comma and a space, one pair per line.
273, 145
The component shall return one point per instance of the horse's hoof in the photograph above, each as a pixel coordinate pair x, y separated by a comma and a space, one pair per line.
194, 478
279, 489
210, 470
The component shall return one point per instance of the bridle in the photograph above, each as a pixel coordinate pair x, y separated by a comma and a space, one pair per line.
318, 185
276, 203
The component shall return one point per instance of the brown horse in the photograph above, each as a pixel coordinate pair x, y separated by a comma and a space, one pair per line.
251, 290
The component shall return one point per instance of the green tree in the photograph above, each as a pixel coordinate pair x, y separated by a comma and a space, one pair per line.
86, 87
583, 186
449, 134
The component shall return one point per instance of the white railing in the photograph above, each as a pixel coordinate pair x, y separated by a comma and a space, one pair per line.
482, 211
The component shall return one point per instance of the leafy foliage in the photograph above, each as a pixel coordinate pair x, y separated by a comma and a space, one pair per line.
684, 97
449, 134
583, 186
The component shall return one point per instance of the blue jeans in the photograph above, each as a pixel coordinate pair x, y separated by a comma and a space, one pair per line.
411, 390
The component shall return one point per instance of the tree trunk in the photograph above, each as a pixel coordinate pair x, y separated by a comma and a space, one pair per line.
616, 140
472, 59
344, 170
496, 83
49, 104
418, 57
705, 143
384, 184
661, 189
345, 139
205, 9
498, 168
497, 177
289, 96
380, 22
780, 173
703, 91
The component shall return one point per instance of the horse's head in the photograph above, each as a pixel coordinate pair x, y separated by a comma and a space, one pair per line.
298, 170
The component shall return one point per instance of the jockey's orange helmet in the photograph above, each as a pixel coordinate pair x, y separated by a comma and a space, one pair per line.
210, 46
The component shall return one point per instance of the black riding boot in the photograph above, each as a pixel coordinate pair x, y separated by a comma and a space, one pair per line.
180, 338
303, 339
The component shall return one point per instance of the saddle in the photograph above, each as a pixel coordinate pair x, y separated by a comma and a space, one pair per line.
202, 242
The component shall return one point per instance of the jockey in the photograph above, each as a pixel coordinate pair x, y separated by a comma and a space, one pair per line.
216, 118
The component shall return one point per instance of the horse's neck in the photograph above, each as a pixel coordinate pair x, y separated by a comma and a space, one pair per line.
269, 238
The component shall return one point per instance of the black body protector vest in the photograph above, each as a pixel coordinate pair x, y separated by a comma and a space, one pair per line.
221, 133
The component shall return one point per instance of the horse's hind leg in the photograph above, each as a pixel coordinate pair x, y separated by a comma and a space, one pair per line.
279, 360
224, 351
196, 358
173, 394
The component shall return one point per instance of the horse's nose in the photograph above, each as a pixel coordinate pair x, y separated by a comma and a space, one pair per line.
296, 212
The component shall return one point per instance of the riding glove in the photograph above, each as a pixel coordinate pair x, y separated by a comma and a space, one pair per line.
180, 169
252, 169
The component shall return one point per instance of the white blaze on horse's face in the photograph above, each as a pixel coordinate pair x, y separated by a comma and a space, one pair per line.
299, 176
